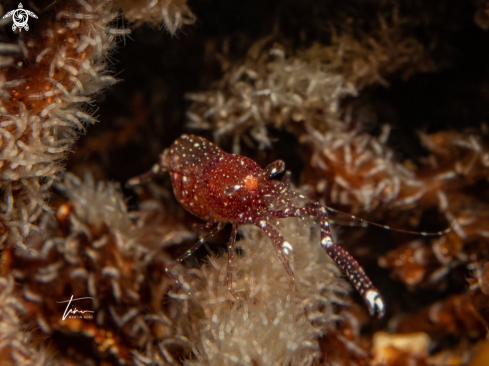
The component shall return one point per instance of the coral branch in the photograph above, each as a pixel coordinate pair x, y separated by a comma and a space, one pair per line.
48, 91
271, 324
97, 249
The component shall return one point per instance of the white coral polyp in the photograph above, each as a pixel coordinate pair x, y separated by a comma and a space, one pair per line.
272, 325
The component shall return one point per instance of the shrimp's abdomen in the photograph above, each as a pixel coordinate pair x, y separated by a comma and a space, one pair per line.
186, 160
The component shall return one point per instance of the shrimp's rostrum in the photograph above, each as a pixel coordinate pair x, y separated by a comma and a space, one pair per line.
220, 187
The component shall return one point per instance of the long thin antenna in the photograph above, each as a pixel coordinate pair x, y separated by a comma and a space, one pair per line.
146, 177
422, 233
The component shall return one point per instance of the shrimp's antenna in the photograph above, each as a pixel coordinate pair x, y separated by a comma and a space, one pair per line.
422, 233
146, 177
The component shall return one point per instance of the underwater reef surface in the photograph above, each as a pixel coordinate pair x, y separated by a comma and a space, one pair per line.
378, 108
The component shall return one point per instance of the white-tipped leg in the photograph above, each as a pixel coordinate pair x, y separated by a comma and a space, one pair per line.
375, 303
281, 246
342, 258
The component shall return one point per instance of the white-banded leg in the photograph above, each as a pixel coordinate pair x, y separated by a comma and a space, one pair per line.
281, 246
190, 251
342, 258
232, 241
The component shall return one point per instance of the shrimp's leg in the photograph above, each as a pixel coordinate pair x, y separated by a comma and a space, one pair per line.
281, 246
189, 252
232, 241
342, 258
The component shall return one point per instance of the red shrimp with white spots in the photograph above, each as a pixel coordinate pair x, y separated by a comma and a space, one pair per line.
226, 188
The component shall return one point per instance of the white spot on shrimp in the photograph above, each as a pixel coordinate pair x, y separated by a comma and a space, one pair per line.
287, 247
327, 242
